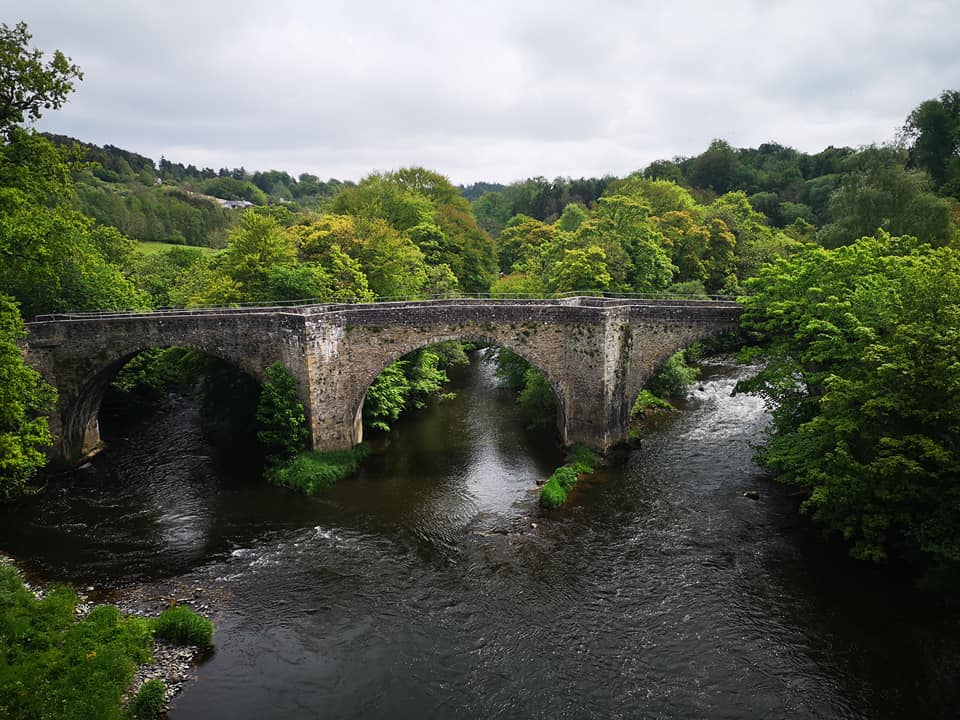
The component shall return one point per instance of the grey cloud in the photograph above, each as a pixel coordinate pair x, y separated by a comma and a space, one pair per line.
494, 91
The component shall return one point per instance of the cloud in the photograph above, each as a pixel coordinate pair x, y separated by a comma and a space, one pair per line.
493, 91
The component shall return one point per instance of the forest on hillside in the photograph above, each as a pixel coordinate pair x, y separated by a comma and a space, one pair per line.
848, 263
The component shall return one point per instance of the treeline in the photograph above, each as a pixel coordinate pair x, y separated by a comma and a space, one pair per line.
175, 203
843, 192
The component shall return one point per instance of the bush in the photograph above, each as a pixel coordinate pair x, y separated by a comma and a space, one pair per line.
646, 400
281, 417
313, 471
674, 377
552, 495
182, 626
53, 665
149, 700
581, 461
536, 401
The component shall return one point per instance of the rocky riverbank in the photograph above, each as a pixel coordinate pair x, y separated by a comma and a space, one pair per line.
175, 665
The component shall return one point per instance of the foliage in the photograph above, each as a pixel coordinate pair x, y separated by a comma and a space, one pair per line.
53, 665
182, 626
876, 192
673, 378
511, 369
534, 393
537, 198
51, 257
552, 495
403, 385
933, 133
25, 402
312, 471
254, 249
580, 461
165, 272
410, 219
281, 417
536, 400
861, 346
645, 401
149, 700
28, 85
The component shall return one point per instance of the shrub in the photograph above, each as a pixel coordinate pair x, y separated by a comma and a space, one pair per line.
583, 460
552, 495
149, 700
313, 471
54, 665
182, 626
646, 400
674, 377
281, 417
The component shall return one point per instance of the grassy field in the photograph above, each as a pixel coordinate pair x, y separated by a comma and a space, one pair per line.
149, 248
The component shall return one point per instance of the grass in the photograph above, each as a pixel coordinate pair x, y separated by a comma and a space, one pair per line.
55, 666
646, 400
149, 700
580, 461
152, 248
182, 626
312, 471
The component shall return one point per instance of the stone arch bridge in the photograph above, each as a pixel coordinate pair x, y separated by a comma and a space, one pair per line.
596, 353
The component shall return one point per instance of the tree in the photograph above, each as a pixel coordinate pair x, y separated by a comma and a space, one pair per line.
28, 85
861, 346
25, 402
255, 248
281, 418
877, 192
933, 132
521, 235
580, 269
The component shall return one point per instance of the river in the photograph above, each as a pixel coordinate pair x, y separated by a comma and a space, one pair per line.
432, 586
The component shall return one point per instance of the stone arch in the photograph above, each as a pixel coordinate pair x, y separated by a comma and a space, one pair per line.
652, 349
80, 410
356, 400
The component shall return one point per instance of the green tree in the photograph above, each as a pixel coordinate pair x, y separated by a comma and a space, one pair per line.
281, 418
932, 131
25, 402
28, 84
580, 269
521, 235
877, 192
258, 246
861, 346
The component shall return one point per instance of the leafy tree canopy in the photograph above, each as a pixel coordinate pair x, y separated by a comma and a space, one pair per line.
25, 401
29, 84
861, 346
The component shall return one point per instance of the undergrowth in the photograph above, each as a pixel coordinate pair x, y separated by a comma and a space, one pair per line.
56, 666
580, 461
312, 471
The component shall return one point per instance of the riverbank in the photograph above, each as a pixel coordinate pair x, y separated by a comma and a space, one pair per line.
91, 652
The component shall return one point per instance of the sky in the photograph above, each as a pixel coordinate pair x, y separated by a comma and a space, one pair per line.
499, 90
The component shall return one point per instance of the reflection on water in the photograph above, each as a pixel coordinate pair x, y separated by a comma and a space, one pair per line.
431, 586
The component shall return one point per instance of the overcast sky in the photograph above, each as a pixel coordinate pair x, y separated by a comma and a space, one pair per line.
488, 90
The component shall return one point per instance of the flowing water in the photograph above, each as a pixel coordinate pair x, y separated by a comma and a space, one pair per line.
431, 585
